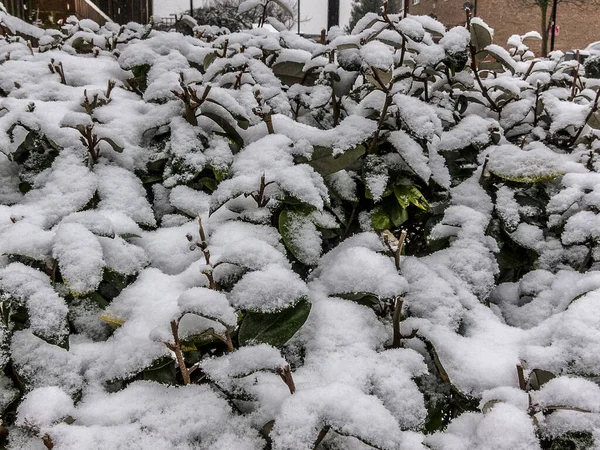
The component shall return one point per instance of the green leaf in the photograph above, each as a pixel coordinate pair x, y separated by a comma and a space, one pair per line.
24, 187
574, 440
209, 183
380, 220
594, 121
273, 328
208, 60
163, 371
152, 179
385, 76
509, 65
113, 144
229, 129
480, 38
398, 215
140, 73
539, 377
363, 298
290, 72
407, 195
346, 46
528, 179
241, 120
325, 163
294, 224
80, 128
82, 46
492, 66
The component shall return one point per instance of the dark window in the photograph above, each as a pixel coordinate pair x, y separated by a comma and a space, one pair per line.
333, 13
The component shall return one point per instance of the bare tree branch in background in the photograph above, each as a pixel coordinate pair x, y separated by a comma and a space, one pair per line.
545, 7
224, 13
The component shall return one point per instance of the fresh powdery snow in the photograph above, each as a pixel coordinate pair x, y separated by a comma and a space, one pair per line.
254, 240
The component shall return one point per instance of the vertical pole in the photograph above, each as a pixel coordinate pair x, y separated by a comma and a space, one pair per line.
405, 9
191, 8
475, 8
553, 25
333, 13
298, 18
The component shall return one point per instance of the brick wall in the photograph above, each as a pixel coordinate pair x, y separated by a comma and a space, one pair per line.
50, 11
579, 26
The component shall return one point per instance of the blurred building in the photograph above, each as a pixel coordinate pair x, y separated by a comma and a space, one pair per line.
124, 11
578, 22
49, 12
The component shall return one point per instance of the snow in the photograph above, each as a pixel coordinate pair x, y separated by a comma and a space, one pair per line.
47, 310
43, 407
79, 256
378, 55
271, 156
504, 427
209, 304
270, 289
411, 152
215, 224
226, 370
358, 269
539, 162
120, 190
342, 408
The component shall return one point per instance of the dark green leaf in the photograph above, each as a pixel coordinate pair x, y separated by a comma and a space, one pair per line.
229, 129
380, 220
539, 377
273, 328
398, 215
594, 121
209, 183
81, 45
140, 74
162, 371
325, 163
407, 195
152, 179
289, 72
208, 60
290, 220
24, 187
363, 298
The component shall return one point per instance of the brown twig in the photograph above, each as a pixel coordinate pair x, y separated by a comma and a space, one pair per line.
593, 110
286, 375
176, 347
321, 436
396, 319
382, 117
521, 376
475, 70
59, 69
206, 252
259, 197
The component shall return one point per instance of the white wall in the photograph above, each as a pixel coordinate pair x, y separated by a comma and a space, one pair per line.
164, 8
315, 11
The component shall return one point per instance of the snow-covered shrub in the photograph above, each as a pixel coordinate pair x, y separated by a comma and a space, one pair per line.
249, 240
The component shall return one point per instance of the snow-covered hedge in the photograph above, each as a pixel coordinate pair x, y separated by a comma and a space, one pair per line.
387, 239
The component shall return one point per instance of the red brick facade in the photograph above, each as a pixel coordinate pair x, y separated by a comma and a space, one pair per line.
579, 26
